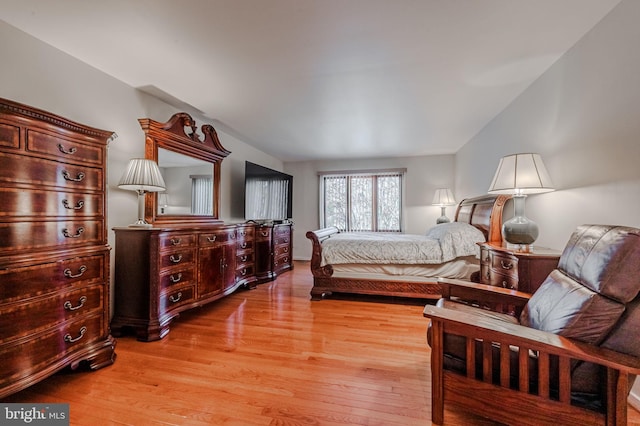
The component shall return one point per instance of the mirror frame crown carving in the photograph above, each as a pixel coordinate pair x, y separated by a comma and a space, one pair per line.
175, 136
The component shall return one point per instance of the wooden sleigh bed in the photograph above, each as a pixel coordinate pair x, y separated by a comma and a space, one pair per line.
484, 213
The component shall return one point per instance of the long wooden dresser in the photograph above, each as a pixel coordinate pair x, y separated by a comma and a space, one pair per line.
54, 257
162, 271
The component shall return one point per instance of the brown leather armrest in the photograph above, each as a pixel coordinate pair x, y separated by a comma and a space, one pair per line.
482, 293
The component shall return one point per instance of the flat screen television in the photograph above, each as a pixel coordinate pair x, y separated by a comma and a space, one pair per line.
268, 194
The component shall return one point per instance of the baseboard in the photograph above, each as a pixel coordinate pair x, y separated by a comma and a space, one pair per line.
634, 398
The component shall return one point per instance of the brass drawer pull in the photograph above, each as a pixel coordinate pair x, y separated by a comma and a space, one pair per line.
264, 233
174, 279
211, 239
67, 234
175, 241
67, 272
243, 233
67, 176
71, 150
69, 307
177, 298
67, 206
174, 259
506, 265
69, 339
244, 272
243, 245
243, 258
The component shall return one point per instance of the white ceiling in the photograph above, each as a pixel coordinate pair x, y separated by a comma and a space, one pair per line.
311, 79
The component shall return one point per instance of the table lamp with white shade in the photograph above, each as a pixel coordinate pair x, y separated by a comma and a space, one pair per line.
520, 175
142, 176
443, 198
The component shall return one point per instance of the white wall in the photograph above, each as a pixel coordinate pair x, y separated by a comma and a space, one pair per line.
36, 74
424, 175
583, 117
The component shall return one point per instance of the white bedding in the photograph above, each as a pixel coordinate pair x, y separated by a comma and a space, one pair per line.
441, 244
460, 268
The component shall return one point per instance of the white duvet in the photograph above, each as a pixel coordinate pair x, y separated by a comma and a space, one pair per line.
442, 243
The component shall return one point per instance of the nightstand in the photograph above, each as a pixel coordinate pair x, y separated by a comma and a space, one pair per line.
519, 270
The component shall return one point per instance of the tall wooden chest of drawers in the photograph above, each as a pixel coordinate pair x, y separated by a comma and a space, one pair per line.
54, 257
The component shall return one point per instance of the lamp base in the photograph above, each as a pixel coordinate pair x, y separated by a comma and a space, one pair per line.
140, 224
443, 219
519, 229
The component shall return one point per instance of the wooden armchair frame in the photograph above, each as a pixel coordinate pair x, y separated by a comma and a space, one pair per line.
499, 401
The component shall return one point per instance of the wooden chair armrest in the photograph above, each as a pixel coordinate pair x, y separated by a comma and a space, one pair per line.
484, 328
482, 293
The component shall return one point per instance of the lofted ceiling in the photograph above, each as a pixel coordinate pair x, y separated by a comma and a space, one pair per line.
322, 79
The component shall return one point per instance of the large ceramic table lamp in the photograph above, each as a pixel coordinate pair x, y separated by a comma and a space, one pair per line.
142, 176
443, 198
520, 174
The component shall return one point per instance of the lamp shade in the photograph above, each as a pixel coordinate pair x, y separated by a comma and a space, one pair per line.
521, 174
142, 175
443, 197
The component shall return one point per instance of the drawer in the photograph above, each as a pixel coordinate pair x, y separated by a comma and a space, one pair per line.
64, 149
47, 347
244, 245
280, 250
18, 202
177, 240
485, 273
30, 281
281, 261
177, 277
263, 234
220, 236
42, 172
282, 231
177, 297
50, 234
504, 262
177, 258
503, 280
9, 135
245, 257
485, 256
282, 239
21, 319
244, 271
246, 233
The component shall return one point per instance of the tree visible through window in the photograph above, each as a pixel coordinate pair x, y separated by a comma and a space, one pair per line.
362, 201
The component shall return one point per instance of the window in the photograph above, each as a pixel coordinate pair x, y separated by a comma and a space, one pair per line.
362, 201
201, 195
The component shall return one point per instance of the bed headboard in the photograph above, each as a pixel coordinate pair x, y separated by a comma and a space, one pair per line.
485, 213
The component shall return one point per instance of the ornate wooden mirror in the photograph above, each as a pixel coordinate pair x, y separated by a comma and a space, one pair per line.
190, 165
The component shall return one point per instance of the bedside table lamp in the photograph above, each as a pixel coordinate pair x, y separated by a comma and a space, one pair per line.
142, 176
520, 174
443, 198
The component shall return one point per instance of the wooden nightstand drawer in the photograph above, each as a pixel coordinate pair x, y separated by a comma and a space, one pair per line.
504, 263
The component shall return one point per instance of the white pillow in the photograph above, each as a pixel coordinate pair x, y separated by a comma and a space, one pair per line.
457, 238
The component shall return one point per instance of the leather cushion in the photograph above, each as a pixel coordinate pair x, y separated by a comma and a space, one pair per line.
564, 307
605, 259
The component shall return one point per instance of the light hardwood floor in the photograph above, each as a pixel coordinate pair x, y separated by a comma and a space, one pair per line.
267, 356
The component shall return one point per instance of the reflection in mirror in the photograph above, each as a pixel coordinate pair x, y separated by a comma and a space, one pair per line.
189, 185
